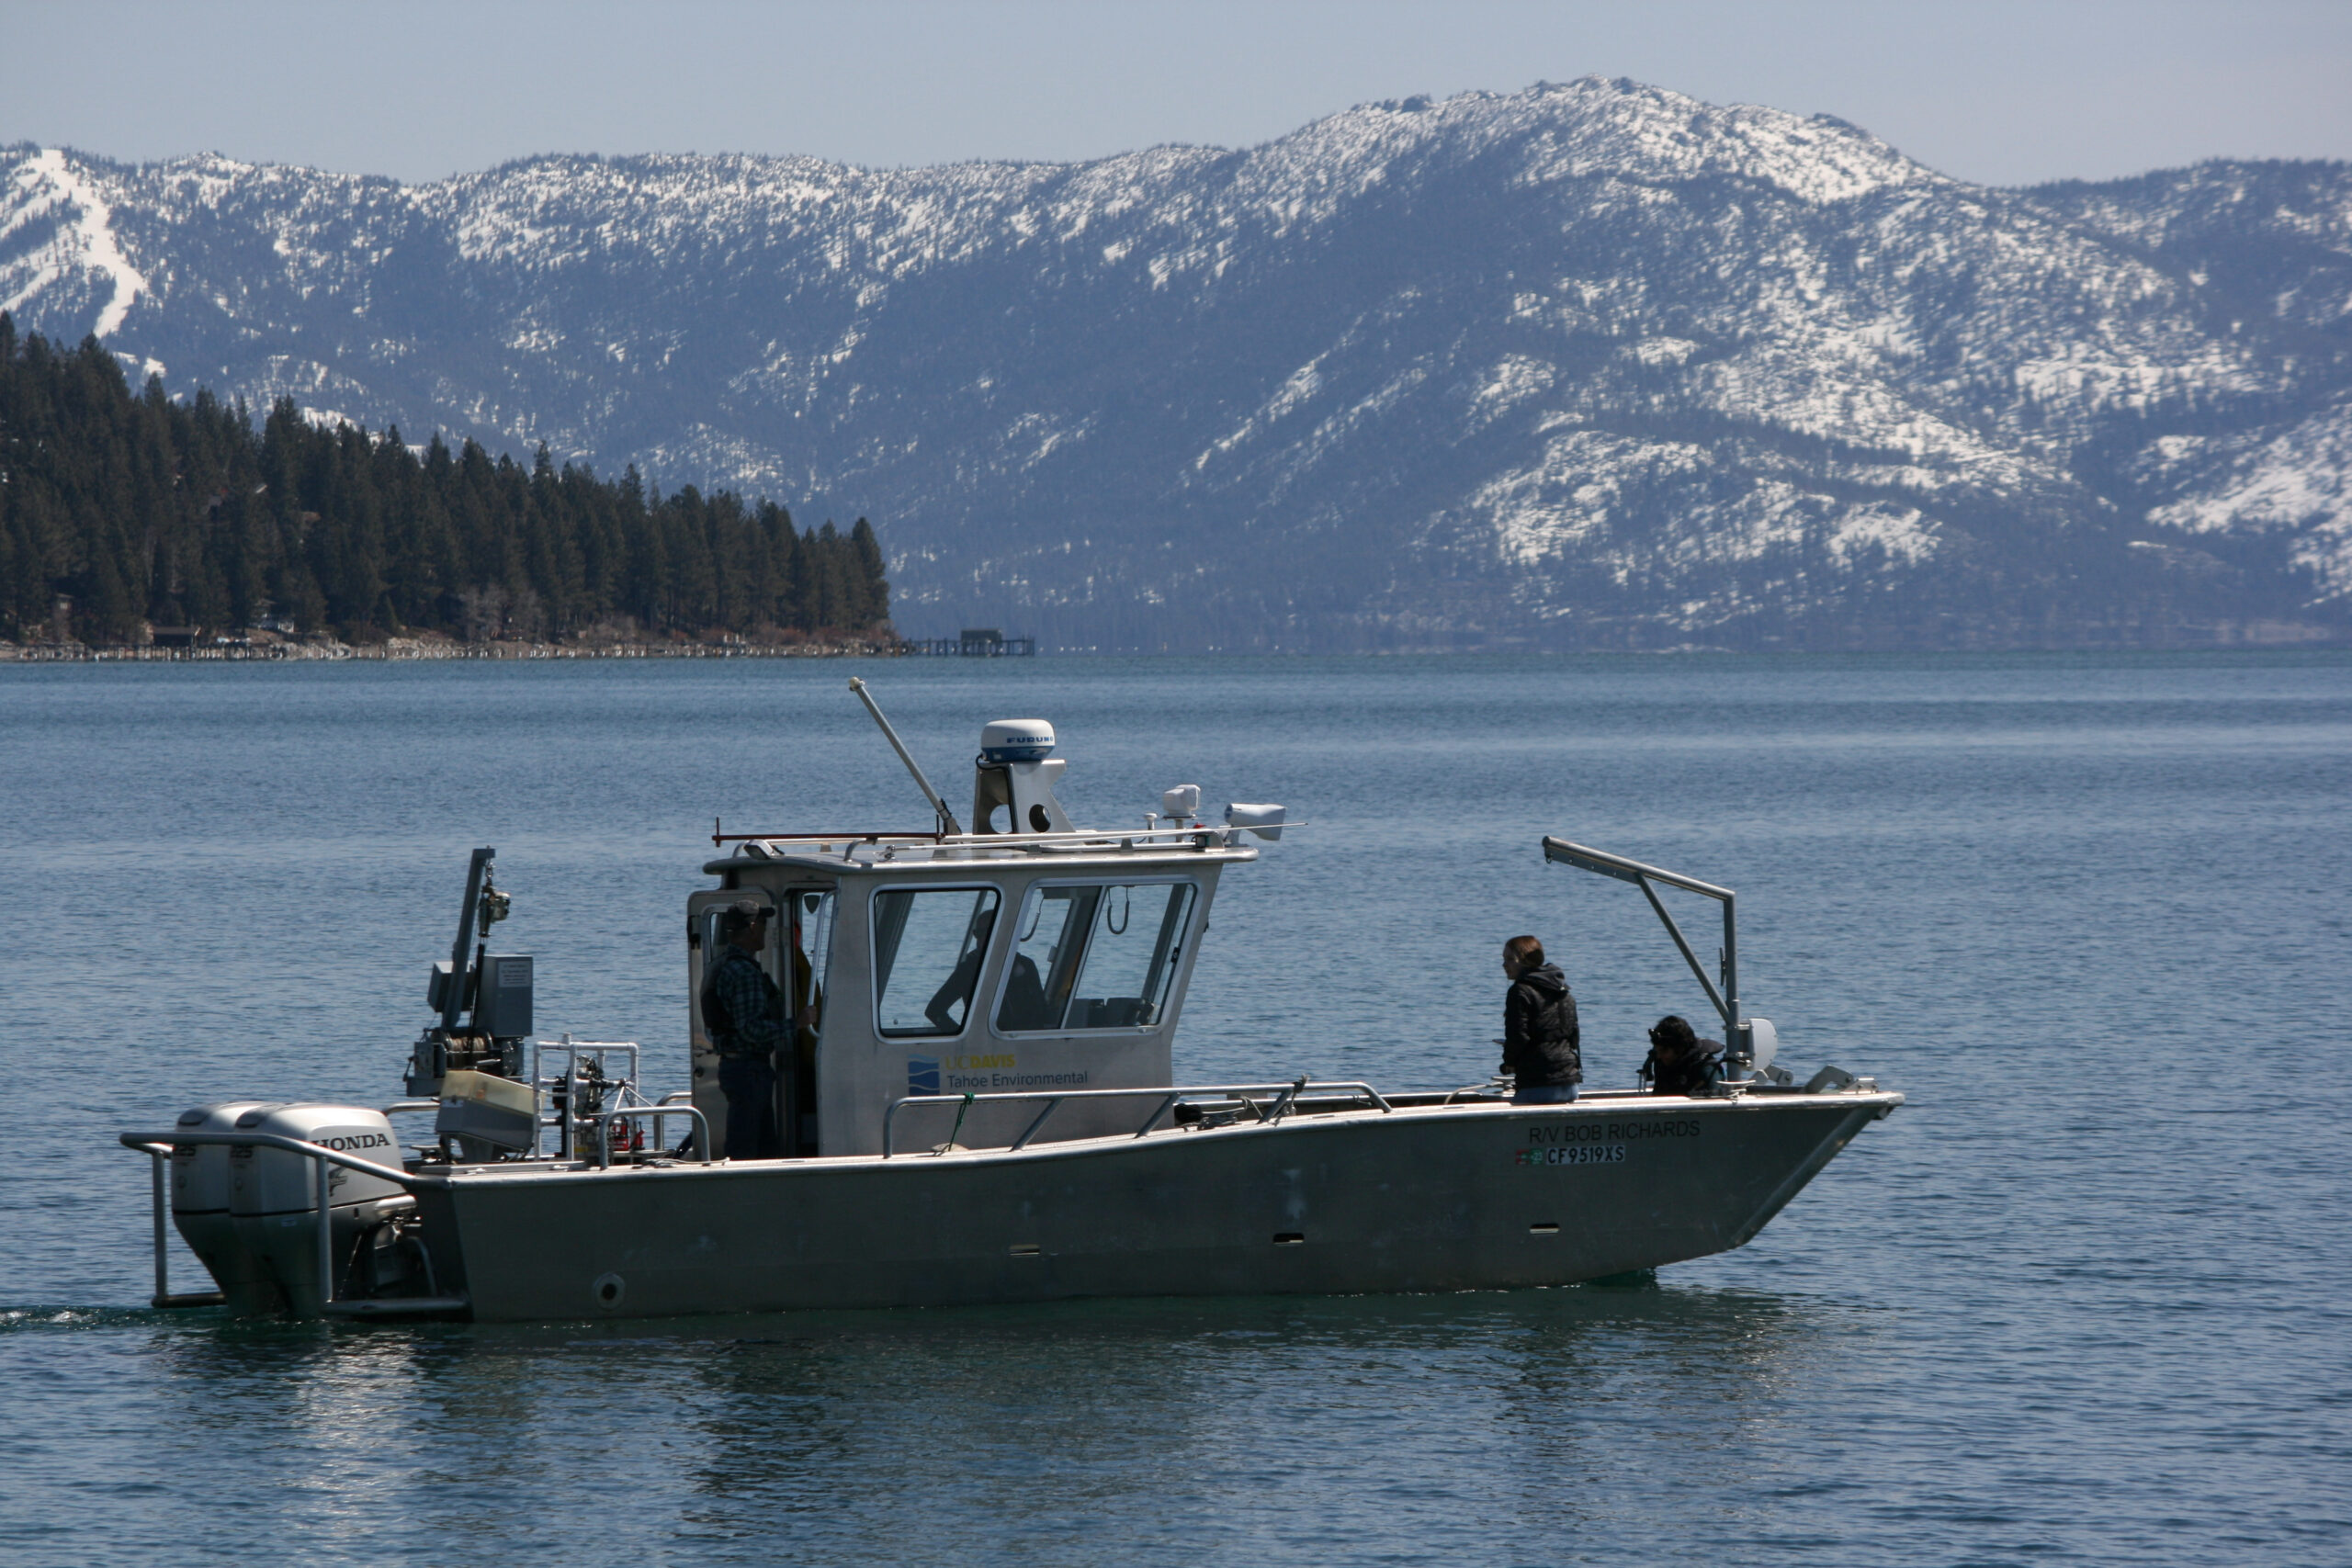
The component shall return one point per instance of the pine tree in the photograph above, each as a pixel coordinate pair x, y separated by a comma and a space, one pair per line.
873, 588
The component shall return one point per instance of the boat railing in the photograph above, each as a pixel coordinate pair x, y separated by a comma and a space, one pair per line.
158, 1147
1281, 1098
668, 1105
887, 846
575, 1053
576, 1088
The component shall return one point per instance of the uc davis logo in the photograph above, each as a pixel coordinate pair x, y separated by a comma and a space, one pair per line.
922, 1075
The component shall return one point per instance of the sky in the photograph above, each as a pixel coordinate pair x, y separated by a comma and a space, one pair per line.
1995, 91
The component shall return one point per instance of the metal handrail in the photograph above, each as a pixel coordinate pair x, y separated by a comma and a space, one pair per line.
159, 1146
573, 1051
146, 1143
604, 1130
912, 836
1201, 836
157, 1157
1283, 1092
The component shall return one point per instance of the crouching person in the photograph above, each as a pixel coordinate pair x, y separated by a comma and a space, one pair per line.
1679, 1061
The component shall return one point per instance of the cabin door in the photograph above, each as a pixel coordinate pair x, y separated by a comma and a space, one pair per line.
704, 945
807, 941
799, 939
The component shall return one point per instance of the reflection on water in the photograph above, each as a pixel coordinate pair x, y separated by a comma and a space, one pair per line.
1067, 1429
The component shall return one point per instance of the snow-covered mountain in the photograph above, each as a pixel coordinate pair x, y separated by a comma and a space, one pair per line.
1590, 365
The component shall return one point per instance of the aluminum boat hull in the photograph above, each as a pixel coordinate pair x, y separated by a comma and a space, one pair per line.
1474, 1197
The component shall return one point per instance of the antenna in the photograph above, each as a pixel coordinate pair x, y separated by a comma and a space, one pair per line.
946, 818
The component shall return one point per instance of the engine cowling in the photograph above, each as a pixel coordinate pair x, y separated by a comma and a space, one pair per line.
200, 1210
273, 1193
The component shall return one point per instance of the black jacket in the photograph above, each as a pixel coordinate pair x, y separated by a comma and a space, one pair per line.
1540, 1039
1692, 1071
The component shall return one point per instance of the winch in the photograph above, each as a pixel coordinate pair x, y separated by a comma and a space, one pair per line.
472, 1069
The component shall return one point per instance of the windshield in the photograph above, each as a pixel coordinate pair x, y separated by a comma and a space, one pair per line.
1094, 956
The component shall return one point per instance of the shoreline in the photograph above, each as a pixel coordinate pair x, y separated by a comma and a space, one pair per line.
407, 649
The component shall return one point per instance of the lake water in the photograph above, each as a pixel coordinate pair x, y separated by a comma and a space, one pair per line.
2085, 1298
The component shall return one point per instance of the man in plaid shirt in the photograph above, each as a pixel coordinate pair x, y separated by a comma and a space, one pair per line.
740, 1013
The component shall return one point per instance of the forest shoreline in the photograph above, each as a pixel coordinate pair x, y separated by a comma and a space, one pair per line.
133, 519
407, 649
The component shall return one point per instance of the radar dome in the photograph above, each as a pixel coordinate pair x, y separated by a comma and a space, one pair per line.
1016, 741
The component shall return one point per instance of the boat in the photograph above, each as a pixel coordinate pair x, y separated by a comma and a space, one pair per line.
976, 1102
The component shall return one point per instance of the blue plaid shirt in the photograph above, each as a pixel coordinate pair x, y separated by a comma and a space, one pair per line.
749, 997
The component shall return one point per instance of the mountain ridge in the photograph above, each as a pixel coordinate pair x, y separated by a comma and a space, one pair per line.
1593, 364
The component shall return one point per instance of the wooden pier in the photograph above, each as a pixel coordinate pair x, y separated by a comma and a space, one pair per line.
974, 642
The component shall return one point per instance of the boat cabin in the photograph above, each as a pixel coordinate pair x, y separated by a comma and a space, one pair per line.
1030, 957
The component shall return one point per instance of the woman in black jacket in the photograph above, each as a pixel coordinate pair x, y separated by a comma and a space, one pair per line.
1540, 1036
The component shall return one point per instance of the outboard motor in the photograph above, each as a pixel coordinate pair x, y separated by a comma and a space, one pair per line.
273, 1194
200, 1210
1016, 770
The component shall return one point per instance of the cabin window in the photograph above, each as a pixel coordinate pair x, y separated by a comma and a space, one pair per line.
1099, 956
928, 946
812, 933
1045, 950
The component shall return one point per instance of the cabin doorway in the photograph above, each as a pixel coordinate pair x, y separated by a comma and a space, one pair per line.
807, 939
798, 940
